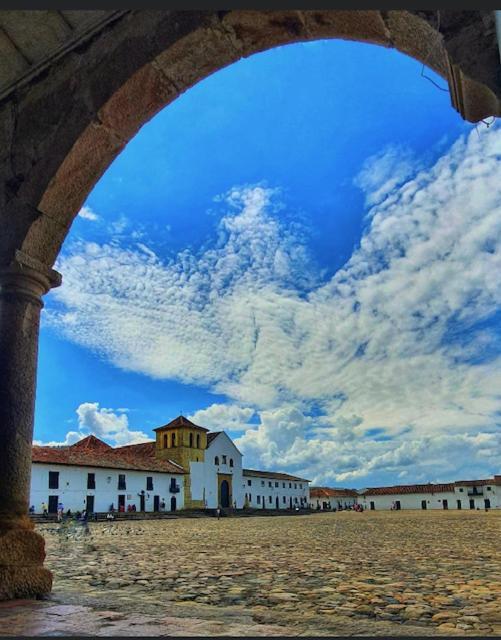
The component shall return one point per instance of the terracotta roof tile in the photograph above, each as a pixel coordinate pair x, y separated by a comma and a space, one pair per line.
272, 475
180, 421
327, 492
211, 436
92, 452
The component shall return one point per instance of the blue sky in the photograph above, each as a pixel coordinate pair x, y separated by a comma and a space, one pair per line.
301, 250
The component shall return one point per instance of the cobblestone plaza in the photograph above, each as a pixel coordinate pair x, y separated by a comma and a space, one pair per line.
396, 573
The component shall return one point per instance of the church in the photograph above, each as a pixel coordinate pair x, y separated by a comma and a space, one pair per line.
186, 467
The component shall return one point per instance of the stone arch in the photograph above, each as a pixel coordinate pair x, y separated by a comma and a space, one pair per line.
65, 128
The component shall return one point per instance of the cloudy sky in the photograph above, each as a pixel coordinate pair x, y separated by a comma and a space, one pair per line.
303, 250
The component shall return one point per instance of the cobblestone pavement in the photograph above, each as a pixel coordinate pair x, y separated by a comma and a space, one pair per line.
375, 573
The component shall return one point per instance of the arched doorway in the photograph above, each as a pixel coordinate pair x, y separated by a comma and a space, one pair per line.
225, 494
173, 503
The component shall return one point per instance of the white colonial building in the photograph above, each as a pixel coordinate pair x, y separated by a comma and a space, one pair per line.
186, 467
462, 494
327, 499
270, 490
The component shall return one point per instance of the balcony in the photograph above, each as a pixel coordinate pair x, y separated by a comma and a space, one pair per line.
174, 488
475, 492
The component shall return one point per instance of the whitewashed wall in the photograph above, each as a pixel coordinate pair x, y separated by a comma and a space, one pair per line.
436, 500
204, 475
288, 492
72, 491
490, 492
410, 500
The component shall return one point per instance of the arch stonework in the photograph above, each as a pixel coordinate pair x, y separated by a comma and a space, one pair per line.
62, 126
61, 131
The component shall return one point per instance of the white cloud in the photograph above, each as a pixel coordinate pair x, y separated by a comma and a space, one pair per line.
384, 171
107, 425
227, 417
111, 426
71, 438
389, 342
88, 214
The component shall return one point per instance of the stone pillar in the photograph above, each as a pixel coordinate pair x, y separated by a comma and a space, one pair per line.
22, 551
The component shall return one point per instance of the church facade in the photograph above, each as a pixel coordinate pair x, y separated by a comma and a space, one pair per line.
185, 467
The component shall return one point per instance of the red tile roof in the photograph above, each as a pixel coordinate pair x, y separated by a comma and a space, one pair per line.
180, 421
92, 452
327, 492
429, 488
475, 483
272, 475
211, 436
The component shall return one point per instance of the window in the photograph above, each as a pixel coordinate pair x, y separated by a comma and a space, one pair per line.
269, 484
216, 460
166, 444
231, 462
283, 485
259, 499
191, 440
461, 489
262, 483
290, 485
249, 483
53, 479
91, 481
489, 488
269, 498
149, 483
300, 486
198, 441
295, 486
224, 459
276, 484
173, 440
121, 481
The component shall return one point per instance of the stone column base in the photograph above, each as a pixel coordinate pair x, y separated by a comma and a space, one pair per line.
22, 575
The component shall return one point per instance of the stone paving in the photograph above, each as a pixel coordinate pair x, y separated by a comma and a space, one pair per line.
375, 573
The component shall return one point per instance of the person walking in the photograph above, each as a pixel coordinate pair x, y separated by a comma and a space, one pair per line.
45, 510
218, 512
60, 511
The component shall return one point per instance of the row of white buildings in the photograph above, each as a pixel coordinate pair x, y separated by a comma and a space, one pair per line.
462, 494
189, 467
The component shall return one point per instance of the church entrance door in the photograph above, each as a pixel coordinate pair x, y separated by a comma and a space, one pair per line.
225, 494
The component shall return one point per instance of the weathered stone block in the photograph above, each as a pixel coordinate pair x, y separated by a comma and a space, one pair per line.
197, 55
366, 26
137, 101
24, 582
253, 31
83, 166
20, 548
